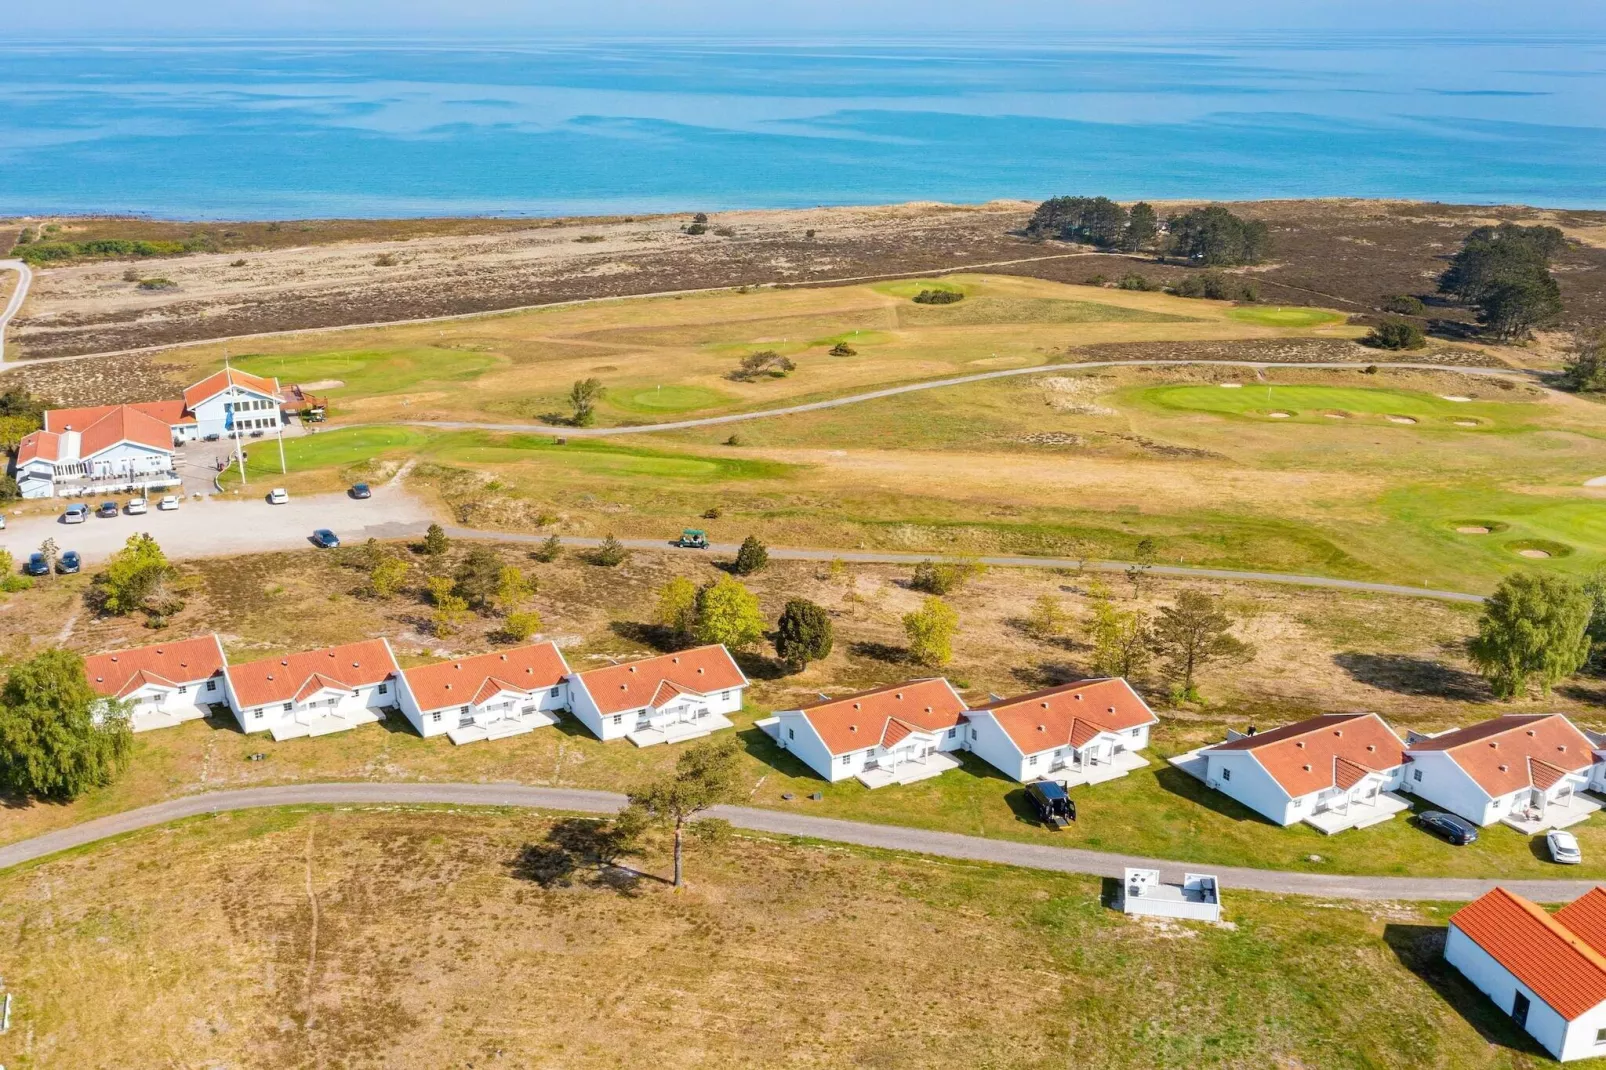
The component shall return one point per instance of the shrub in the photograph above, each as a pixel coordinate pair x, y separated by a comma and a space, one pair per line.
930, 630
1396, 334
751, 558
1134, 280
9, 491
521, 625
803, 634
697, 228
944, 577
609, 553
764, 362
385, 260
548, 551
938, 297
387, 575
1403, 305
435, 541
842, 349
157, 284
134, 578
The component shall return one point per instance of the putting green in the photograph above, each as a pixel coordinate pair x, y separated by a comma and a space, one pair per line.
1280, 316
1377, 406
370, 372
669, 398
908, 288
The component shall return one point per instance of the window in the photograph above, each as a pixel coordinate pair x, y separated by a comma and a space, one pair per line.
555, 692
952, 732
257, 714
618, 718
1032, 760
972, 733
184, 689
211, 685
1226, 774
1600, 1036
791, 733
1299, 804
846, 758
384, 689
1416, 775
436, 717
1136, 732
463, 709
288, 706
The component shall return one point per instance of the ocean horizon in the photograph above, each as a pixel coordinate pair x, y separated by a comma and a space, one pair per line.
224, 128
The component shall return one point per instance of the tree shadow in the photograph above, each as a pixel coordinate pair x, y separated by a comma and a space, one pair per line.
759, 667
892, 655
1047, 674
1407, 674
664, 640
1178, 783
758, 745
579, 851
1420, 949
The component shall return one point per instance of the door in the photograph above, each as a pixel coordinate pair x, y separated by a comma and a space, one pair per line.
1519, 1009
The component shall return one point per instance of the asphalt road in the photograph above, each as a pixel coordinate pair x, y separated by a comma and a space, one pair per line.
14, 305
790, 823
933, 384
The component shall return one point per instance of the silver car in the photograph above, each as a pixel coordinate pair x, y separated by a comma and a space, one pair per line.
1563, 847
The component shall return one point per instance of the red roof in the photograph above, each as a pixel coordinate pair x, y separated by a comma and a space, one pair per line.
122, 672
1322, 751
1586, 917
283, 679
169, 412
855, 722
1496, 753
1072, 713
125, 424
633, 686
472, 680
1543, 952
37, 445
217, 382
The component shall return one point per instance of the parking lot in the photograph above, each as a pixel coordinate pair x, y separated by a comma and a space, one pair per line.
214, 528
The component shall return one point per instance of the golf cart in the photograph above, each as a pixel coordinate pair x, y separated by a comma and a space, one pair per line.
692, 539
1053, 804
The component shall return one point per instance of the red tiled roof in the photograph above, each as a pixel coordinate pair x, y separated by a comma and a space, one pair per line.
1347, 774
855, 722
1072, 713
1303, 757
217, 382
38, 445
1495, 753
186, 662
1586, 917
352, 665
1541, 951
469, 681
169, 412
633, 686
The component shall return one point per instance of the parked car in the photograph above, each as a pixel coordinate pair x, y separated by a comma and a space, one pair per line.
1563, 847
693, 539
1054, 805
168, 502
1458, 830
108, 509
37, 565
138, 507
278, 496
2, 522
69, 563
76, 513
361, 490
325, 539
213, 437
257, 433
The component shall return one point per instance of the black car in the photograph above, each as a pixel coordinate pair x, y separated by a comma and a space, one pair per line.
69, 563
325, 539
1053, 803
108, 509
361, 490
213, 437
37, 565
1458, 830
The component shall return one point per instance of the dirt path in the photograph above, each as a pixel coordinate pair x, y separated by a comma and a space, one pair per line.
785, 823
14, 305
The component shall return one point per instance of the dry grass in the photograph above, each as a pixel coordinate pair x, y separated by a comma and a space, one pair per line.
411, 939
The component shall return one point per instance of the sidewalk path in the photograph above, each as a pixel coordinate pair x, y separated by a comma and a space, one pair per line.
787, 823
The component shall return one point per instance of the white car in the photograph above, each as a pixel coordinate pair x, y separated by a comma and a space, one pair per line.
1563, 847
167, 503
278, 496
138, 507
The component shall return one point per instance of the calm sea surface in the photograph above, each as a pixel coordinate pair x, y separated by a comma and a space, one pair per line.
265, 129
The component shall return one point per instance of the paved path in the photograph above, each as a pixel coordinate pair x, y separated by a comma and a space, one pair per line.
14, 305
933, 384
783, 822
894, 558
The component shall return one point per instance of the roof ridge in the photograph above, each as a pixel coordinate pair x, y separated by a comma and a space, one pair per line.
1555, 925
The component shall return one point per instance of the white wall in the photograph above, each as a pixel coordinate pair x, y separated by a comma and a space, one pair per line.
438, 722
795, 734
1435, 776
194, 701
1494, 981
210, 416
262, 718
987, 740
1251, 785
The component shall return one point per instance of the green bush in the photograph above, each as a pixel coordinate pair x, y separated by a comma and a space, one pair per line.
1396, 334
1403, 305
938, 297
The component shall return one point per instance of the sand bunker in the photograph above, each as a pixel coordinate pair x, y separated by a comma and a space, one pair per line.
1401, 420
1232, 386
1472, 529
1336, 415
1598, 481
1455, 397
1466, 423
323, 384
1279, 415
1533, 553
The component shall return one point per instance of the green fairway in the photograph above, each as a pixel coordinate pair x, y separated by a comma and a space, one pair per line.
371, 372
1331, 404
661, 399
1278, 316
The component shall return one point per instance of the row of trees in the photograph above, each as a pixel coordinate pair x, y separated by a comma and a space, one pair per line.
1503, 273
1210, 237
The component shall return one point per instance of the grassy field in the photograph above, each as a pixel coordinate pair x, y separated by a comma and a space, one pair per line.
1278, 316
373, 938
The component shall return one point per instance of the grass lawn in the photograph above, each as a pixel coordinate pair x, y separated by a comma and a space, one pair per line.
661, 399
1279, 316
390, 938
1315, 404
368, 372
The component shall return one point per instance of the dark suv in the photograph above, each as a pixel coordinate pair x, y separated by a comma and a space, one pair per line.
1458, 830
1053, 804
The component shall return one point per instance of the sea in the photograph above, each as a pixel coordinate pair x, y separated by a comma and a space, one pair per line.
355, 127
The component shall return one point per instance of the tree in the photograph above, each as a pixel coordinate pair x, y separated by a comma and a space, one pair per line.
14, 428
1215, 237
609, 553
387, 575
751, 558
706, 775
58, 738
1504, 273
764, 362
1595, 588
548, 551
1585, 368
520, 625
677, 608
435, 541
1534, 629
1396, 334
133, 576
1144, 555
478, 577
450, 609
583, 398
1142, 226
1047, 619
931, 630
513, 588
1121, 637
1094, 220
945, 577
728, 613
1193, 634
51, 554
803, 634
1514, 307
8, 564
1403, 305
9, 491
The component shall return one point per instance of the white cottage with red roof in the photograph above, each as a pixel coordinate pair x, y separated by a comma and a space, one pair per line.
232, 400
163, 684
1079, 733
317, 692
888, 735
490, 696
1523, 770
660, 700
1334, 772
1546, 971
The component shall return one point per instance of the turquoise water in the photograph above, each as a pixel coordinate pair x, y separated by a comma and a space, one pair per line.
284, 129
